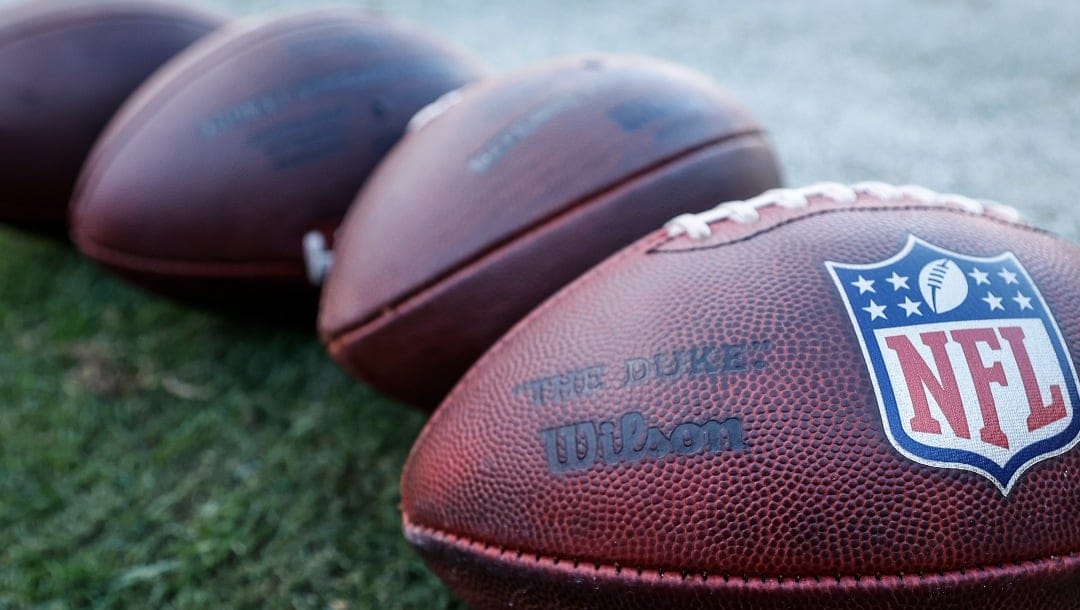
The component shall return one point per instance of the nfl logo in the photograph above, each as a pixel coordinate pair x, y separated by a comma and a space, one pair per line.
969, 366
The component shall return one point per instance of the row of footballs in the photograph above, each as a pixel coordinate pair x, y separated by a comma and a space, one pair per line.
215, 162
571, 467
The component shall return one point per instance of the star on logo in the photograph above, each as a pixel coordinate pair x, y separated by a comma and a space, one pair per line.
980, 277
876, 311
1008, 276
993, 301
911, 308
897, 281
864, 285
1023, 301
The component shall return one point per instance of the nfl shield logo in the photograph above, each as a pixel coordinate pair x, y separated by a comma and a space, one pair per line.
969, 366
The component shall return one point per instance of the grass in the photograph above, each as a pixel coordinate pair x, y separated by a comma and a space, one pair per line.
156, 457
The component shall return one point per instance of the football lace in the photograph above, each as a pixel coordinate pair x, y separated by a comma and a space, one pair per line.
318, 258
697, 226
434, 110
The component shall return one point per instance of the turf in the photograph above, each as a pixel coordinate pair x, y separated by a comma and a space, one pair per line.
155, 457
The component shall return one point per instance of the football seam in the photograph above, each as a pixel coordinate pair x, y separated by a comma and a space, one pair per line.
192, 269
347, 332
525, 558
539, 310
866, 208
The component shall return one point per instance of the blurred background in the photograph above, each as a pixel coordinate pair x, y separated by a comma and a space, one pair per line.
154, 456
980, 97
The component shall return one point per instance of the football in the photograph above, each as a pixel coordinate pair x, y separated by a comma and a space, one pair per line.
207, 182
508, 189
759, 408
65, 69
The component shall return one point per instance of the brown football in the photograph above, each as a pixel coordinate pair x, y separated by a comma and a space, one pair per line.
65, 69
831, 397
507, 190
207, 182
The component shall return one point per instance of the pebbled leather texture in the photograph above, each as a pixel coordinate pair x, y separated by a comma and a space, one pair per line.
65, 69
506, 196
809, 505
208, 180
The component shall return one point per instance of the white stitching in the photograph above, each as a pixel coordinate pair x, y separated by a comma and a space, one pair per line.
692, 225
696, 226
918, 193
1002, 211
435, 109
318, 259
966, 203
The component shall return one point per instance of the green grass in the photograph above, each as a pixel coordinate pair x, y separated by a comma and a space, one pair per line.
156, 457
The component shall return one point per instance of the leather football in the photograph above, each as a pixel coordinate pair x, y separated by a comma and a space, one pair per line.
841, 397
206, 184
65, 69
507, 190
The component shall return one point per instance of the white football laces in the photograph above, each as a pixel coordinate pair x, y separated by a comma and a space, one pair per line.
318, 259
697, 226
435, 109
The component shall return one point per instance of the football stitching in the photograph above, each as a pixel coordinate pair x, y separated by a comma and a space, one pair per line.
475, 547
698, 226
642, 245
865, 208
188, 268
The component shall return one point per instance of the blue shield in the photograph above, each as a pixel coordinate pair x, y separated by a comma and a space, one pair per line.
970, 368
